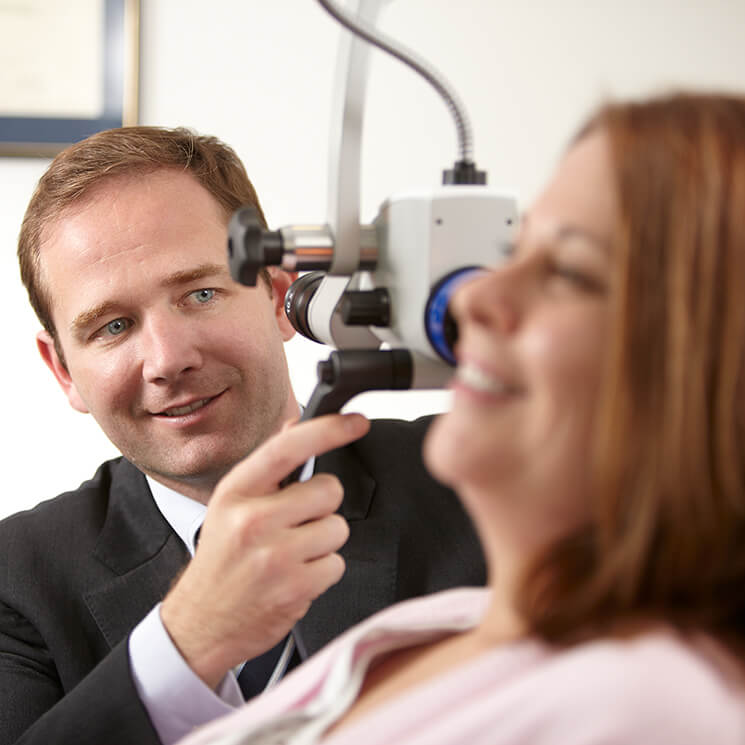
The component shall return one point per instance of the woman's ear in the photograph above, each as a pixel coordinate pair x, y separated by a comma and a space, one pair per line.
48, 351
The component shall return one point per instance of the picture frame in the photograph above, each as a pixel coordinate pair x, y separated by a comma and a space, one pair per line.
86, 80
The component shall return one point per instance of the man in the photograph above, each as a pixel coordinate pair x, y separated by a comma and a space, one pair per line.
109, 633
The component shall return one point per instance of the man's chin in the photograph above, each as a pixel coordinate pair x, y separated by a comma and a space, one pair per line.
192, 464
202, 475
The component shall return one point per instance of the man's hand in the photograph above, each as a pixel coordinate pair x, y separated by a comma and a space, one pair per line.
264, 554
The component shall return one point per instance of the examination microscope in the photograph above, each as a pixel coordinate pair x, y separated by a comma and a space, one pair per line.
379, 293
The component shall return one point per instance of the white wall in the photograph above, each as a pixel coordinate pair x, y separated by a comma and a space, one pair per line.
258, 73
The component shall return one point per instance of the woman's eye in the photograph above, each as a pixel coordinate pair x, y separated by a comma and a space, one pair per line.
117, 326
507, 250
567, 272
577, 277
204, 295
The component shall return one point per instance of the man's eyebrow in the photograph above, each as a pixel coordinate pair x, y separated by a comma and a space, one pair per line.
88, 317
198, 272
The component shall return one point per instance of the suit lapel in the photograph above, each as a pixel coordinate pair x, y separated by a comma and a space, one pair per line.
370, 553
144, 556
141, 551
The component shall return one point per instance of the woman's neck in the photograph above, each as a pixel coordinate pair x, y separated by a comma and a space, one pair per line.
510, 543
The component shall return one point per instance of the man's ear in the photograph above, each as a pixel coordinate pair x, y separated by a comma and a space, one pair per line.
48, 352
281, 280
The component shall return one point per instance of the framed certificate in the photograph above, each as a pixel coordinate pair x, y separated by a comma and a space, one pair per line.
69, 69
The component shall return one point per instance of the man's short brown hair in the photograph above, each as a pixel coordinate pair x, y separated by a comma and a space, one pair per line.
78, 169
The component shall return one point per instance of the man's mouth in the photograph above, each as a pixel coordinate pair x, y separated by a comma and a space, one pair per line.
188, 409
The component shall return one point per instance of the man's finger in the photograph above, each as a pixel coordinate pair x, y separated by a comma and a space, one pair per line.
319, 538
324, 572
265, 515
262, 471
313, 499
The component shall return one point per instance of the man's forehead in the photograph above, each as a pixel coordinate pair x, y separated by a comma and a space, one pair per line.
145, 184
157, 203
118, 219
104, 191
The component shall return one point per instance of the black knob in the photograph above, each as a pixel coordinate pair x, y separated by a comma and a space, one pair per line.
250, 246
366, 307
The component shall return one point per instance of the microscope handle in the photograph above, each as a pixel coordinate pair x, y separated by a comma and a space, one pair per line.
349, 372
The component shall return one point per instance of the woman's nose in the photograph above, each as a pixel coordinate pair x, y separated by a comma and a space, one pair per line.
491, 299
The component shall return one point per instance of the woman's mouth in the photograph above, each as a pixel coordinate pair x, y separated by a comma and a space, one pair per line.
479, 380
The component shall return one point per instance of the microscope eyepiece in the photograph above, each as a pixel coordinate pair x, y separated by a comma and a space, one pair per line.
297, 301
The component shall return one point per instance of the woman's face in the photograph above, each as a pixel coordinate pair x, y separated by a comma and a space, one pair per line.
530, 350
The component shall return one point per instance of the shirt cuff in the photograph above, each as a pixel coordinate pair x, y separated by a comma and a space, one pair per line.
175, 698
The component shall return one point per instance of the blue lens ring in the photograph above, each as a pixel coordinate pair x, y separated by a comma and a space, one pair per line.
436, 310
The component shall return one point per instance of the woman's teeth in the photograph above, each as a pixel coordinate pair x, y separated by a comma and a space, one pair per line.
476, 378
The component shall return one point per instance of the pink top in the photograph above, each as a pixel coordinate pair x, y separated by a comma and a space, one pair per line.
655, 688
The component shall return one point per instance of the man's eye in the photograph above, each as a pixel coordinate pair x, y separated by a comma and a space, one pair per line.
117, 326
204, 295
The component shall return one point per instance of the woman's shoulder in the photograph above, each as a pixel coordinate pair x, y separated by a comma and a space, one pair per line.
656, 686
459, 606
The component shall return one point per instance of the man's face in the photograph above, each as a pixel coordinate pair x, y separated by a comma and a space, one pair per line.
183, 369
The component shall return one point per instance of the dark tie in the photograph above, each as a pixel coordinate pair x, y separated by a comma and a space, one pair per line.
256, 672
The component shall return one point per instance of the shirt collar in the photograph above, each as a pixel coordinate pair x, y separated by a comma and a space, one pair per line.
183, 514
186, 515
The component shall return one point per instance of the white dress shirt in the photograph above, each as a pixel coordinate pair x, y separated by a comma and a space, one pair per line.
175, 698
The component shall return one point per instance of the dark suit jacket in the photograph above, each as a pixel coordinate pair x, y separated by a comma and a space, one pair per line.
78, 572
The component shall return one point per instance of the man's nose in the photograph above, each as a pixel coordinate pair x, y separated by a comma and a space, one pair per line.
169, 348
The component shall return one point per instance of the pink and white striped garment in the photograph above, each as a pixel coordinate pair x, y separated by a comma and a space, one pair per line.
657, 687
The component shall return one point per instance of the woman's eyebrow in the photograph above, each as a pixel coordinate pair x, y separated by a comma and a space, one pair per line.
565, 232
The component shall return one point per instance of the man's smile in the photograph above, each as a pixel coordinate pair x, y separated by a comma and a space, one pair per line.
186, 408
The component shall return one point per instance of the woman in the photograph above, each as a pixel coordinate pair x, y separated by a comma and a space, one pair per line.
597, 438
